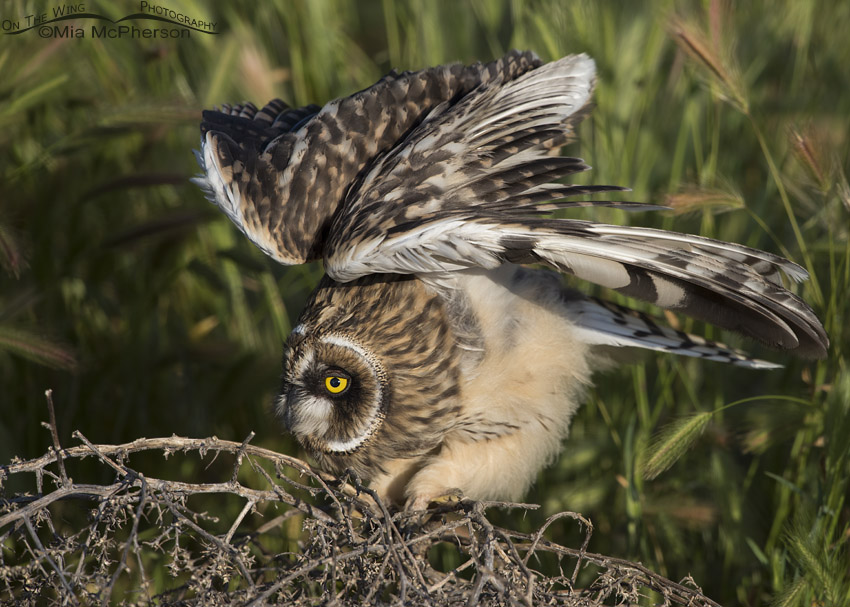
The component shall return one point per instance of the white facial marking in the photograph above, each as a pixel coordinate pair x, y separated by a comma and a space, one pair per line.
373, 417
343, 342
303, 364
342, 446
313, 415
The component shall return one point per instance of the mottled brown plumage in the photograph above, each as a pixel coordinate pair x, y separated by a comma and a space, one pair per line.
427, 360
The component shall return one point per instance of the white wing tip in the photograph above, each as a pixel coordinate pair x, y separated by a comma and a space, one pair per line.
581, 62
756, 363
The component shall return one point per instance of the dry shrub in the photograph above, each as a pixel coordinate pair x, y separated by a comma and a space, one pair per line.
294, 537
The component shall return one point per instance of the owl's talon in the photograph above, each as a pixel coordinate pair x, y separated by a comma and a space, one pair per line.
451, 497
421, 502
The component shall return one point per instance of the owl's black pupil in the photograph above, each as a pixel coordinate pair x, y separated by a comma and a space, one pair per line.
335, 382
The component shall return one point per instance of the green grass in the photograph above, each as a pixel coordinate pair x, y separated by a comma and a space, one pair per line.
147, 313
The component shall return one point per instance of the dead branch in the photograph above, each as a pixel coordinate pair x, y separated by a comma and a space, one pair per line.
139, 539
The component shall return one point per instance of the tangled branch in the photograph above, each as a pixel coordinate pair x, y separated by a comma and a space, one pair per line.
318, 540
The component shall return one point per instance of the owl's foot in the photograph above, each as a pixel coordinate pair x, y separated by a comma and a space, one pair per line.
421, 502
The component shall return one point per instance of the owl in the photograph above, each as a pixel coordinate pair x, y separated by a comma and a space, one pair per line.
431, 359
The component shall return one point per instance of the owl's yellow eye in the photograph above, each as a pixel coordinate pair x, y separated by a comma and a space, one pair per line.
336, 384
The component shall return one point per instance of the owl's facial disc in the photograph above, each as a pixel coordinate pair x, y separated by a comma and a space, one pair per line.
333, 396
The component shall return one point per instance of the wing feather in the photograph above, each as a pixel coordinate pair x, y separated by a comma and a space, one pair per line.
281, 174
490, 152
450, 168
710, 280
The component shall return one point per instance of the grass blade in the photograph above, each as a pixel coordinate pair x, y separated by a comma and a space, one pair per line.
38, 349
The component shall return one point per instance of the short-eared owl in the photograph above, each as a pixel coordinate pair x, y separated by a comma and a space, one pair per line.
428, 359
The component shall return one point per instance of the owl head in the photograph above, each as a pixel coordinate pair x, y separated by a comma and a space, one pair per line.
369, 373
335, 391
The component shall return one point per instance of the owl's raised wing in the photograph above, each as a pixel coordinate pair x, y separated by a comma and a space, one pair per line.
281, 174
463, 189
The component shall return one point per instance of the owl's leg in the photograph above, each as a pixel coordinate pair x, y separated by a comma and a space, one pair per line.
500, 469
390, 485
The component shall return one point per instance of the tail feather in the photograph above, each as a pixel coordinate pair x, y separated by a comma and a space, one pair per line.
603, 323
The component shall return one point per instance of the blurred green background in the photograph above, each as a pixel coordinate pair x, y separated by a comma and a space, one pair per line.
139, 304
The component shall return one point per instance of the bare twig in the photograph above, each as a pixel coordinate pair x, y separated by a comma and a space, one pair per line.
54, 433
240, 454
249, 505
